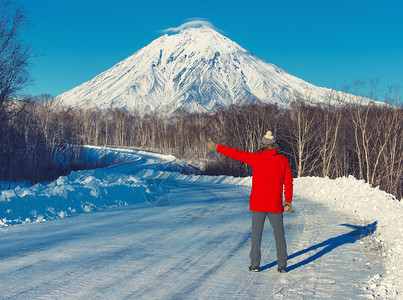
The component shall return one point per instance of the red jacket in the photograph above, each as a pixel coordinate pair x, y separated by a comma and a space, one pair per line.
271, 171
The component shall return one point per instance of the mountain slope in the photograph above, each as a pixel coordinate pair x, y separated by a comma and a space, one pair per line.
198, 69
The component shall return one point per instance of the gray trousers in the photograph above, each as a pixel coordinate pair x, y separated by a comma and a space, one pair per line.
276, 222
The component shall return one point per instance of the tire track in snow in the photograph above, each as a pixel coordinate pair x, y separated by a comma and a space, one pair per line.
211, 251
206, 243
267, 242
195, 249
225, 254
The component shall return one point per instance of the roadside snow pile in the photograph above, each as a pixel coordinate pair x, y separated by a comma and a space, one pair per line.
76, 193
363, 202
8, 185
126, 182
359, 199
89, 157
221, 179
110, 155
92, 157
129, 182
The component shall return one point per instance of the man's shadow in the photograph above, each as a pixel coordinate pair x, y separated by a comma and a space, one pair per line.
351, 237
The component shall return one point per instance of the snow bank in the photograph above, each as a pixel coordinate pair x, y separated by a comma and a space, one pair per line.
90, 157
222, 179
89, 190
359, 199
8, 185
112, 156
76, 193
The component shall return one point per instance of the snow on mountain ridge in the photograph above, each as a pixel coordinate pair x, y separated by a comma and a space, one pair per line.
198, 69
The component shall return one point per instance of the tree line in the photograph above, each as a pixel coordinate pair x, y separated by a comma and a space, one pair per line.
334, 139
345, 135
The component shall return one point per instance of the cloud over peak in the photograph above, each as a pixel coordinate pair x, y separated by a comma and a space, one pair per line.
191, 23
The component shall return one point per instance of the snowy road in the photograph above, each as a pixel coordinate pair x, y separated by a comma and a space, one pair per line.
196, 248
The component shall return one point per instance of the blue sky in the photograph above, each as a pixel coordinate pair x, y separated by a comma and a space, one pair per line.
327, 43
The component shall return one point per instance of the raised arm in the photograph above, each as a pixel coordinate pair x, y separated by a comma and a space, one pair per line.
243, 156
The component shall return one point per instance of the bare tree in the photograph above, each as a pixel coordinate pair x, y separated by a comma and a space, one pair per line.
303, 128
331, 116
14, 54
364, 119
392, 180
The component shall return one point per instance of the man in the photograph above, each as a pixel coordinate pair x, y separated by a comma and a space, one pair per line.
271, 172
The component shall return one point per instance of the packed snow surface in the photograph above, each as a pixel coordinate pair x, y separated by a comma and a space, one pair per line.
142, 230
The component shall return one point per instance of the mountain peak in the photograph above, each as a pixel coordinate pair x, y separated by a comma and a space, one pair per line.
196, 68
195, 40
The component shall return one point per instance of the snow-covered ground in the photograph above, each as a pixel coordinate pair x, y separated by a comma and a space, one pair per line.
142, 230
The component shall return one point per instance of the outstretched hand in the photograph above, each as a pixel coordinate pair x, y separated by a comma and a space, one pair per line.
211, 145
288, 207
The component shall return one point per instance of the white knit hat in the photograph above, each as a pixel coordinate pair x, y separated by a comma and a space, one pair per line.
268, 138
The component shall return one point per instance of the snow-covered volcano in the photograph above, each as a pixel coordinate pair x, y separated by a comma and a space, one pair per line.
197, 69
